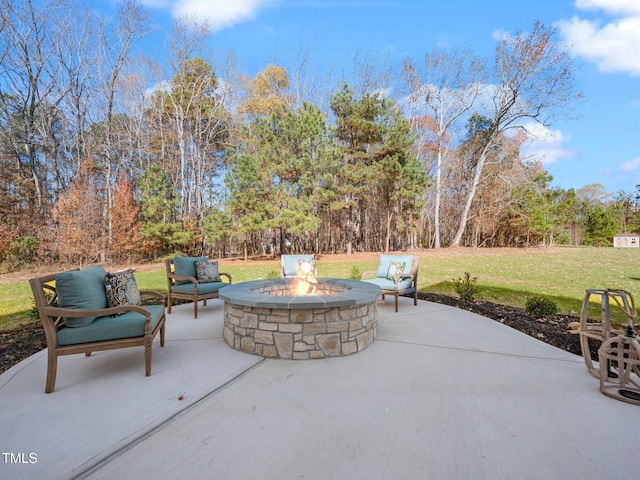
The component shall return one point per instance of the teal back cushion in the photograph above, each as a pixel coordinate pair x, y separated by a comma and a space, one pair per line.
186, 267
385, 262
81, 289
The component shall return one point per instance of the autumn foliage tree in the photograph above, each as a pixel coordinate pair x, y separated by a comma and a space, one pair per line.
267, 91
125, 240
79, 217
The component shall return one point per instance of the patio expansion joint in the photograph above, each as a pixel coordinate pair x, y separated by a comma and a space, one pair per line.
488, 352
158, 427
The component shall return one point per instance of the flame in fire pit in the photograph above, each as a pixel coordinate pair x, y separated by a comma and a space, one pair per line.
304, 285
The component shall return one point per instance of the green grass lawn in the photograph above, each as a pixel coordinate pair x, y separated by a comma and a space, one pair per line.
507, 276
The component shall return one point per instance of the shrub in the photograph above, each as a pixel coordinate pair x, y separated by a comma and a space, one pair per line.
21, 251
273, 274
541, 307
355, 273
466, 287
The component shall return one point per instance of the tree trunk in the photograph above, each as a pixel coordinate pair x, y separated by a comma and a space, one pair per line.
472, 192
273, 244
436, 221
388, 236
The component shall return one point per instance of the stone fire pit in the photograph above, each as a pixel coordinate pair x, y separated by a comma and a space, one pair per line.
265, 317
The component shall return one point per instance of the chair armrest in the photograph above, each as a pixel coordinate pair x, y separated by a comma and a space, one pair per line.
103, 312
195, 281
175, 277
412, 274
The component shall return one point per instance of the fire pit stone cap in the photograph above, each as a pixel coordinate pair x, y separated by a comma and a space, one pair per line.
245, 294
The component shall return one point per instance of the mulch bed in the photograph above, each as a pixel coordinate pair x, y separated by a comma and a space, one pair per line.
553, 330
22, 342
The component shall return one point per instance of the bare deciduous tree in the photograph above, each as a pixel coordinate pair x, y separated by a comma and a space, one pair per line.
533, 81
450, 87
29, 87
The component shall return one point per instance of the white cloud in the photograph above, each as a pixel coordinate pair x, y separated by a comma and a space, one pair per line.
611, 6
219, 14
544, 144
156, 3
500, 35
631, 165
612, 46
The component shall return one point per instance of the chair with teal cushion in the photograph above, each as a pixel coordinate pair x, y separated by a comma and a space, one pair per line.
183, 282
289, 264
396, 275
74, 311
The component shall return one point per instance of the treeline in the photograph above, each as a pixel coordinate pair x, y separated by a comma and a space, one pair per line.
106, 156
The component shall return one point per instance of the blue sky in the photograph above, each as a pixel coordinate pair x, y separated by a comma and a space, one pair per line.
601, 145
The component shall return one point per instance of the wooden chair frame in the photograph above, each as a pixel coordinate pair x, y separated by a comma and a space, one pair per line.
194, 297
51, 316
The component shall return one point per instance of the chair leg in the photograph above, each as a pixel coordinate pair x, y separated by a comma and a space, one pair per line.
169, 303
396, 295
147, 357
52, 367
195, 308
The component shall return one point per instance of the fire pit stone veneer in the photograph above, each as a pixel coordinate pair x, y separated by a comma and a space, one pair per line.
264, 317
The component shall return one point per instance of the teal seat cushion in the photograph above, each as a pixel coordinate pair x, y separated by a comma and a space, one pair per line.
290, 263
83, 290
203, 288
186, 267
385, 262
385, 284
127, 325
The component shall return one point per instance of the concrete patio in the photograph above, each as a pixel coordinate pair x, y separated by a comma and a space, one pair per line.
441, 394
